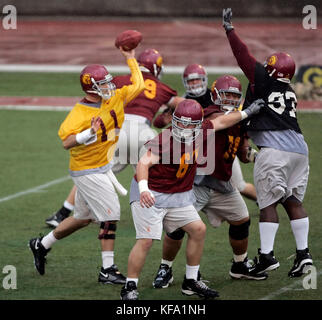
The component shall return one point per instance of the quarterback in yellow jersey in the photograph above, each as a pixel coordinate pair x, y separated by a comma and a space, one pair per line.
90, 133
110, 110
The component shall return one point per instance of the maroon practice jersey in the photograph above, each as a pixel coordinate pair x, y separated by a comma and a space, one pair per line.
177, 166
148, 102
227, 145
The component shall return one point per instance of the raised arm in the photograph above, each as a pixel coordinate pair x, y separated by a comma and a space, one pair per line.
244, 59
137, 85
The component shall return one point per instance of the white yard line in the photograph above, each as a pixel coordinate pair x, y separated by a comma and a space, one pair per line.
287, 288
116, 68
35, 189
35, 108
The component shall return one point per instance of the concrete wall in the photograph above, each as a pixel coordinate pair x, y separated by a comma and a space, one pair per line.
162, 8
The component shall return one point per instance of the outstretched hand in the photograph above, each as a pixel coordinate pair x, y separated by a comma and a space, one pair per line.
255, 107
226, 19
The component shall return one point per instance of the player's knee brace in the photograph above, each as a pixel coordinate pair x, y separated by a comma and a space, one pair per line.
240, 231
106, 227
176, 235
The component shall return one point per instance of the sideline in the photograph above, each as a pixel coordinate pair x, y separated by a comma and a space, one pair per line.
35, 189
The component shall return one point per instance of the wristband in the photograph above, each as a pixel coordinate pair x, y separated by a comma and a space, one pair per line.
243, 114
143, 186
86, 137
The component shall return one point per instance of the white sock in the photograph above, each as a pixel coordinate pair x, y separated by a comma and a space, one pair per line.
136, 280
107, 258
192, 272
167, 262
300, 228
240, 257
68, 205
267, 231
48, 240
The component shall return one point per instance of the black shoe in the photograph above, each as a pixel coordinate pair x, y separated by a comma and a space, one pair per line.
39, 253
111, 275
265, 262
198, 287
164, 277
129, 291
303, 258
244, 270
56, 219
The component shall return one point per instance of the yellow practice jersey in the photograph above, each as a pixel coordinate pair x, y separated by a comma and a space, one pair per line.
100, 153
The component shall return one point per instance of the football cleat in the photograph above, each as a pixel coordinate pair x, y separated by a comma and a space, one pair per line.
55, 219
111, 275
129, 291
303, 258
164, 277
198, 287
265, 262
244, 270
39, 253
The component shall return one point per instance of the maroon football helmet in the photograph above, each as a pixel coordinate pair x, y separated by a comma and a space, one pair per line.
280, 66
151, 60
227, 93
95, 79
188, 113
195, 72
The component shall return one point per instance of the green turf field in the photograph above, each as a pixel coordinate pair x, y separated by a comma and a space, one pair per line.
32, 156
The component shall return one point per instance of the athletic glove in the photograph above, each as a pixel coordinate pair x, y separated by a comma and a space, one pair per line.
255, 107
226, 19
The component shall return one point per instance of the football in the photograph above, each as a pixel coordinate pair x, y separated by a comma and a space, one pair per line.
128, 39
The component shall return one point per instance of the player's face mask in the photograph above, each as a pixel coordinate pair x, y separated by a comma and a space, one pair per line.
185, 132
104, 88
229, 101
196, 87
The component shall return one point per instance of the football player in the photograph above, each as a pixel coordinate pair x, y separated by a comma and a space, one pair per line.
195, 82
136, 129
161, 192
281, 169
90, 133
215, 194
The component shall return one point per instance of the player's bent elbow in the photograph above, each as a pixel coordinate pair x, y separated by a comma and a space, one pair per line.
141, 86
